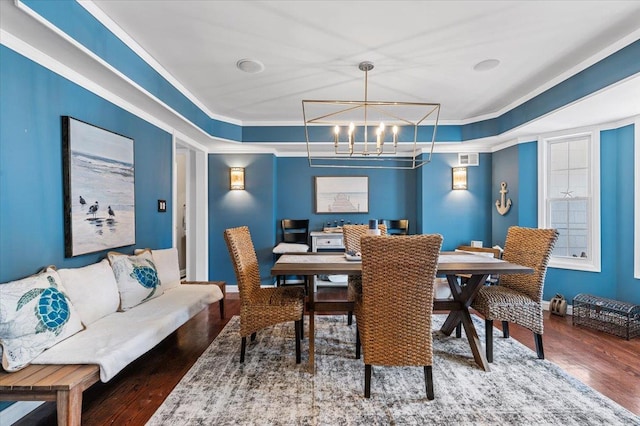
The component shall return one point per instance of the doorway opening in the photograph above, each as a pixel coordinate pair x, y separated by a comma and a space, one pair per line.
190, 226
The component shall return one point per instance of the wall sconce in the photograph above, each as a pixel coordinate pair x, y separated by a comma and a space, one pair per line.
459, 180
236, 178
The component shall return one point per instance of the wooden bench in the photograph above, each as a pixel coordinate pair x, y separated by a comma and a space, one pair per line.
63, 384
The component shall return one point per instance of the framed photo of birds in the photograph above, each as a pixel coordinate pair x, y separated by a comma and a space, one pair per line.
99, 191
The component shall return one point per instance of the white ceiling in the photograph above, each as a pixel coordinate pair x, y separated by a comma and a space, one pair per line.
423, 51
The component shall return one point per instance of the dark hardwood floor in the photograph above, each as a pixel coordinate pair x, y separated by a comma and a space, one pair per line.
607, 363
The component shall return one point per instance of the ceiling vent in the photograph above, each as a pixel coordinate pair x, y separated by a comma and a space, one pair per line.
468, 159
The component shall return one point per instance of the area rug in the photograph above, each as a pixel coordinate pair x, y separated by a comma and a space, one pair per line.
270, 389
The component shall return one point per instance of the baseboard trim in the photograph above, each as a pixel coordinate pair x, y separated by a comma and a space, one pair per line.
545, 306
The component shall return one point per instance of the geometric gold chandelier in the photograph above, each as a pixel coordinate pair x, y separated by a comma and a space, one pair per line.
369, 134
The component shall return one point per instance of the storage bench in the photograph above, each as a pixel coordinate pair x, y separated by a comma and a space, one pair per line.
611, 316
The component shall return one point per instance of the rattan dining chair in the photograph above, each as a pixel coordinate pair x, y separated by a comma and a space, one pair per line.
351, 235
518, 297
260, 307
393, 313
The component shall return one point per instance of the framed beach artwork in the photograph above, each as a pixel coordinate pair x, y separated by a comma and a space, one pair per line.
99, 193
342, 194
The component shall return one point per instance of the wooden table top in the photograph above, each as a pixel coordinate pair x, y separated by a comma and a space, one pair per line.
449, 263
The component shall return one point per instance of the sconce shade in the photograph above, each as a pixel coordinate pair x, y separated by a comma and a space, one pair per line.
459, 175
236, 175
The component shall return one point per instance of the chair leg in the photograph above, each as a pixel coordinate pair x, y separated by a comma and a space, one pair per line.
488, 331
253, 336
349, 318
357, 342
539, 348
221, 308
367, 380
459, 330
302, 326
243, 346
298, 327
505, 329
428, 378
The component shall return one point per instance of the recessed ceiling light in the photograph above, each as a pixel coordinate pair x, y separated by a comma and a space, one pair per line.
252, 66
486, 65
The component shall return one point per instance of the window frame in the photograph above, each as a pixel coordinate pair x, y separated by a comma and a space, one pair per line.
593, 262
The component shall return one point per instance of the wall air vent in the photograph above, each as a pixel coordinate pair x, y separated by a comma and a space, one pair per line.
468, 159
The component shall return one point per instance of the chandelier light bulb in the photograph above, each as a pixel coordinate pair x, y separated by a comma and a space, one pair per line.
352, 128
380, 138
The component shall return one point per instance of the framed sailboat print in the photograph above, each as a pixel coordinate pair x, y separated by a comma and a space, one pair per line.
342, 194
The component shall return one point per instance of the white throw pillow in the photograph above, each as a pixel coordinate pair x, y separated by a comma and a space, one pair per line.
35, 314
137, 278
92, 289
166, 261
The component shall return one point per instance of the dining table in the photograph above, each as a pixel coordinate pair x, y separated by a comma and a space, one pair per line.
450, 265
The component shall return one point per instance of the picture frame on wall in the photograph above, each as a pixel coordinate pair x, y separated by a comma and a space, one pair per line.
342, 194
99, 190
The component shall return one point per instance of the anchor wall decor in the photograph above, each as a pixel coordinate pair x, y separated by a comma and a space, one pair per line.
503, 204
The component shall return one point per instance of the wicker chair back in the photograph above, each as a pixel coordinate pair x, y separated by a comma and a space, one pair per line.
394, 321
530, 247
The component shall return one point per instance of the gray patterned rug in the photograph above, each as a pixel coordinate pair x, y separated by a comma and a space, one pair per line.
270, 389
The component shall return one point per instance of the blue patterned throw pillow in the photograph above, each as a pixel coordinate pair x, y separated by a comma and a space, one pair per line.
35, 314
137, 278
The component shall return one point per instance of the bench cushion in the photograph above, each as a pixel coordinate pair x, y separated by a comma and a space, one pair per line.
35, 314
116, 340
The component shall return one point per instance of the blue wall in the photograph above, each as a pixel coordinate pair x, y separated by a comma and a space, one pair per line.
279, 188
460, 216
254, 207
32, 100
505, 169
392, 194
627, 287
616, 197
